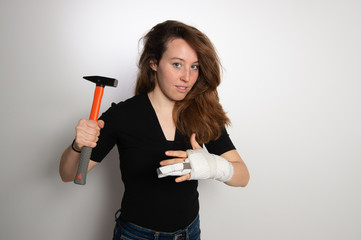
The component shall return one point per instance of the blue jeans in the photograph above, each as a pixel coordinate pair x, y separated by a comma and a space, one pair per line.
128, 231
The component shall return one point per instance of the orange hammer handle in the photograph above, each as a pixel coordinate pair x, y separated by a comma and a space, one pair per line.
98, 94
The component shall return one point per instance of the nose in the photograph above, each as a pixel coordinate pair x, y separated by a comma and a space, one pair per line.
186, 74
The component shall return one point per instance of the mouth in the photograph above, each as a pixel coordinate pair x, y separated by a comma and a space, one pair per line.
182, 89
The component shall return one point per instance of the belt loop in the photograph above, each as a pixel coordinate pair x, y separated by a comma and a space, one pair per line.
117, 213
156, 236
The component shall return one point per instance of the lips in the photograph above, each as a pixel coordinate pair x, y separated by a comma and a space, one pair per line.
182, 88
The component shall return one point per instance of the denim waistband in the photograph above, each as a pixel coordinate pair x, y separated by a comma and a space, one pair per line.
152, 234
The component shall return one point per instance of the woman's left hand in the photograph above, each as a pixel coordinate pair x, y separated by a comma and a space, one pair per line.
180, 156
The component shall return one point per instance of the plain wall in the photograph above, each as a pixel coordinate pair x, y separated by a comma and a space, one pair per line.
291, 87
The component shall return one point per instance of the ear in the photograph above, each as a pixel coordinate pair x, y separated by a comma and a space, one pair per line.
153, 65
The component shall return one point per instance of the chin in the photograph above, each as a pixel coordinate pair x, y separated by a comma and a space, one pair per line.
179, 97
176, 97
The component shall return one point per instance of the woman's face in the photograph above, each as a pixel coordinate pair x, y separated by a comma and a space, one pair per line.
177, 70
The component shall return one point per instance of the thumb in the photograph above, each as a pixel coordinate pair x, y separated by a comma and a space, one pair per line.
194, 143
101, 123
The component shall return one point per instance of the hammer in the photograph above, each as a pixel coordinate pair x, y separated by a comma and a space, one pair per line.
101, 82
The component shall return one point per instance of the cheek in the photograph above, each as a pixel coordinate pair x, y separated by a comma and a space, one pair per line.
165, 75
165, 80
194, 78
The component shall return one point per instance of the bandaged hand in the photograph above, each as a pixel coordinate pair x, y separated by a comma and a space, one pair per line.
196, 164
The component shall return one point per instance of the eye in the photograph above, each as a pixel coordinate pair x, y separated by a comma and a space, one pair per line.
195, 67
177, 65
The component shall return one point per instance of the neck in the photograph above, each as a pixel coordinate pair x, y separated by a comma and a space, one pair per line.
163, 108
159, 101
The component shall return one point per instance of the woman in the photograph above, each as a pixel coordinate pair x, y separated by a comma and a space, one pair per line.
175, 110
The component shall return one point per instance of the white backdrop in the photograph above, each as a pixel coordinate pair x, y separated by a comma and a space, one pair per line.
291, 87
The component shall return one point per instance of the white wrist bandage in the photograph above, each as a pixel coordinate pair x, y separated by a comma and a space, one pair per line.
209, 166
201, 165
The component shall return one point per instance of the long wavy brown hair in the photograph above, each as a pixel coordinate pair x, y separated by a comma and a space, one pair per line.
200, 111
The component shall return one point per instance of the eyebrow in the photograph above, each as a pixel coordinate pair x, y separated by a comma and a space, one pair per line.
180, 59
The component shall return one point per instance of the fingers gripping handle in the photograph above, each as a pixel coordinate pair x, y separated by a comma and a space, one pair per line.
80, 177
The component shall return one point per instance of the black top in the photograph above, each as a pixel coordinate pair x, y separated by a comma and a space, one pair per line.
156, 203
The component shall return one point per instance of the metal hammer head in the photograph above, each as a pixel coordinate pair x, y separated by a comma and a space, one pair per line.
102, 81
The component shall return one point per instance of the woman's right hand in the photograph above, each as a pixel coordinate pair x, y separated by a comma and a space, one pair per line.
87, 133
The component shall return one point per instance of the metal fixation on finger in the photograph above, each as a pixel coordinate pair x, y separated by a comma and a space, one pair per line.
177, 169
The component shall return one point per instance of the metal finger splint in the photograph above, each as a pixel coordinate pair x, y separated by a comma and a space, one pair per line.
177, 169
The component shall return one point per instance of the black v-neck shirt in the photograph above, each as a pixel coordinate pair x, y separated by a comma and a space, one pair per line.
156, 203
